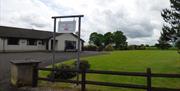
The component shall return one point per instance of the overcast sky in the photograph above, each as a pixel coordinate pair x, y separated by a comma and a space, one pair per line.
140, 20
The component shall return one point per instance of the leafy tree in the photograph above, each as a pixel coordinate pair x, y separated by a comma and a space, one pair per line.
163, 42
108, 38
171, 28
119, 40
96, 39
163, 45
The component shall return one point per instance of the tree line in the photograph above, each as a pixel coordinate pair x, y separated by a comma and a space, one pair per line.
170, 35
116, 39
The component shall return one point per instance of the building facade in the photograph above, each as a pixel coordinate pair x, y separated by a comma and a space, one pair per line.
19, 39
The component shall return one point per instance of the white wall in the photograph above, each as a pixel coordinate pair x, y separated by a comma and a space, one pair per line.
24, 47
60, 46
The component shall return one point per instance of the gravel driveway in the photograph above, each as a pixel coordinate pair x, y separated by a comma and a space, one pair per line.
44, 57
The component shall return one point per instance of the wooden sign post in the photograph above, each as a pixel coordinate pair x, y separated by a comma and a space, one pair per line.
79, 32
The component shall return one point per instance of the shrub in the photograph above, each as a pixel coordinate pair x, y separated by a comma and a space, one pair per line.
131, 47
63, 74
136, 47
163, 46
83, 64
109, 48
141, 47
90, 48
100, 48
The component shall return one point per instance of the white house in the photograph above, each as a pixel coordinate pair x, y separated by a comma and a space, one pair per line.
20, 39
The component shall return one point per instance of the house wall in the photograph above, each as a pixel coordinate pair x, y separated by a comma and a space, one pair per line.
60, 46
22, 46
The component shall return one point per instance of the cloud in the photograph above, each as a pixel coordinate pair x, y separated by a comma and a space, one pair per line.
140, 20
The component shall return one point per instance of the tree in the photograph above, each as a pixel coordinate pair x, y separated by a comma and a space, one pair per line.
163, 45
119, 40
171, 28
163, 42
96, 39
108, 38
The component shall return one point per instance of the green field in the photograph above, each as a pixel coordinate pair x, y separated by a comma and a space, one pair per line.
160, 61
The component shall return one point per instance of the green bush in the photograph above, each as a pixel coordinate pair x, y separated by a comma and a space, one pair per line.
141, 47
83, 64
90, 48
131, 47
63, 74
109, 48
136, 47
163, 46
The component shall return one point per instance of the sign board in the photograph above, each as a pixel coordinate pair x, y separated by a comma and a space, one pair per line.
66, 26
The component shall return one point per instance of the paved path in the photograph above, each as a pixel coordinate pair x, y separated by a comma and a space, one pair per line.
44, 57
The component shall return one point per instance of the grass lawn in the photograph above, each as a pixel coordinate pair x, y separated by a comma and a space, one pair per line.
160, 61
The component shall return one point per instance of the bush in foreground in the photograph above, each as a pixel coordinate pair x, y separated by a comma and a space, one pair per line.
68, 75
82, 65
63, 74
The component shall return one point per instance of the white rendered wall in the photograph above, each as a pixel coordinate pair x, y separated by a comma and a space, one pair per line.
24, 47
60, 46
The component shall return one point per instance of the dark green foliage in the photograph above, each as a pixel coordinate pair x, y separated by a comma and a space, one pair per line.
136, 47
90, 48
117, 38
83, 64
108, 38
171, 27
147, 45
109, 48
163, 45
120, 40
63, 74
96, 39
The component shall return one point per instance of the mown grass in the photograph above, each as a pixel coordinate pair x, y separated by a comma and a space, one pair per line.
160, 61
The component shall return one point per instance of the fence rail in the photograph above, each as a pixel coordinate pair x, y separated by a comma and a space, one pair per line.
83, 81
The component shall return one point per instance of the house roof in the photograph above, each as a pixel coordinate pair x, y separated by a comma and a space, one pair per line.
6, 31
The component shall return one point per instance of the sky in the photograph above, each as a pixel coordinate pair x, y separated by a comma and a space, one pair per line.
139, 20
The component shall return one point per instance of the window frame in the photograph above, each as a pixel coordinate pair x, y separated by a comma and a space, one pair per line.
13, 41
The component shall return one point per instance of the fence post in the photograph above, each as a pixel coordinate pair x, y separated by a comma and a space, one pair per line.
35, 76
83, 80
149, 79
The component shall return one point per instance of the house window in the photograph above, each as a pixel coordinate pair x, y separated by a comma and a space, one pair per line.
31, 42
13, 41
70, 44
41, 42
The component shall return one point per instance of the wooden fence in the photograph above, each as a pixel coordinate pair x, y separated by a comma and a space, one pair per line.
84, 81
